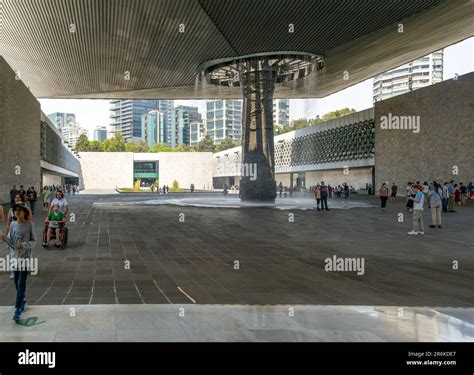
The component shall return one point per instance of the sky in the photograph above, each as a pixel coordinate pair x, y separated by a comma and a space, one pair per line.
458, 58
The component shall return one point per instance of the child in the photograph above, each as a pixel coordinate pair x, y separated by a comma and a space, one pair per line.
417, 211
55, 221
21, 239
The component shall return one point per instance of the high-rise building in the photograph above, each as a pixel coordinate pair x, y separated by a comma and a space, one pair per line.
154, 128
422, 72
71, 134
281, 112
183, 117
61, 119
100, 133
197, 131
224, 119
126, 115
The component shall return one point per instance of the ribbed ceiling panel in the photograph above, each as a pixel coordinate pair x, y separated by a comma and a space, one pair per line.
319, 25
142, 37
112, 37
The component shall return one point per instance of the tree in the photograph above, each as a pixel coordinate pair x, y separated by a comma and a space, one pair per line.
183, 148
160, 147
95, 146
337, 113
206, 145
134, 146
225, 144
294, 125
303, 123
82, 144
115, 144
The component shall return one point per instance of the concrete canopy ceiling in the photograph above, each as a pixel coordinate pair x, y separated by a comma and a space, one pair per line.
143, 37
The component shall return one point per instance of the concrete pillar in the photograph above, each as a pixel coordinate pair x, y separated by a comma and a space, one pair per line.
258, 80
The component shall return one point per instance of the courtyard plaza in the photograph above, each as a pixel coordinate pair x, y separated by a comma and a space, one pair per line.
138, 268
122, 251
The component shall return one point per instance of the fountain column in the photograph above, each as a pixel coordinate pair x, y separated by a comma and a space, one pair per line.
258, 79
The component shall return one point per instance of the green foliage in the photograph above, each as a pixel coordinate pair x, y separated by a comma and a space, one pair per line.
82, 144
161, 147
115, 144
95, 146
175, 185
137, 185
225, 144
206, 145
134, 146
303, 123
183, 148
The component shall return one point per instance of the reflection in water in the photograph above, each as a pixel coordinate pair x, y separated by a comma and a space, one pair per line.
234, 202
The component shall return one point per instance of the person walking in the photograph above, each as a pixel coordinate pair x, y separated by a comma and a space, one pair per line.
324, 191
435, 196
21, 239
280, 188
192, 188
46, 194
32, 197
470, 191
13, 193
457, 194
383, 192
451, 191
393, 196
61, 202
410, 195
317, 196
418, 201
346, 191
445, 197
463, 191
426, 190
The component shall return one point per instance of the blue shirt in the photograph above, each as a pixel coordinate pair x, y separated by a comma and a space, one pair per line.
421, 197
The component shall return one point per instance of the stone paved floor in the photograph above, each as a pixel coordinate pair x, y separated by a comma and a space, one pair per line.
217, 323
280, 262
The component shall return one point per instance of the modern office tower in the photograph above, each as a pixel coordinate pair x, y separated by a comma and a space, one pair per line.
422, 72
183, 117
126, 115
100, 133
281, 112
61, 119
197, 131
224, 119
154, 127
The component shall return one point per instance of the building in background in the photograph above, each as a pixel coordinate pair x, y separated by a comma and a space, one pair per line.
224, 119
420, 73
126, 115
61, 119
154, 127
100, 134
183, 117
71, 134
281, 112
197, 131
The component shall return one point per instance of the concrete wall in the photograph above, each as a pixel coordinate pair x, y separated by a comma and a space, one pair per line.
106, 170
20, 115
185, 167
445, 140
